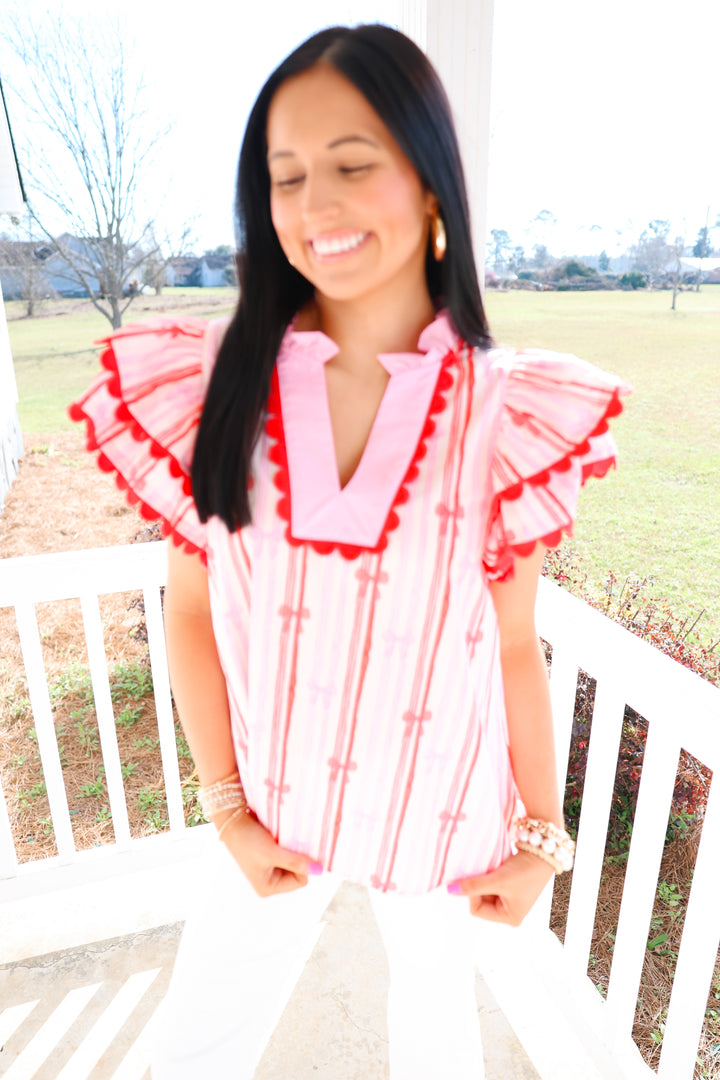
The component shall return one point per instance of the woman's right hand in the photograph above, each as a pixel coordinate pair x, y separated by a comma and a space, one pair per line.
268, 867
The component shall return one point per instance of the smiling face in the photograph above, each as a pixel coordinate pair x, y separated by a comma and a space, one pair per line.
348, 207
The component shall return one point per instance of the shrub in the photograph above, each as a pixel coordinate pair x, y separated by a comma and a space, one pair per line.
575, 268
633, 280
572, 268
635, 607
582, 284
573, 275
649, 617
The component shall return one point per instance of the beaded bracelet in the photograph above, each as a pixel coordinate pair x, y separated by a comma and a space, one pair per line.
545, 840
225, 794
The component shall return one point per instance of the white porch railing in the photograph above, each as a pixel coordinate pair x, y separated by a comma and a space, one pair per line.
682, 710
683, 713
25, 582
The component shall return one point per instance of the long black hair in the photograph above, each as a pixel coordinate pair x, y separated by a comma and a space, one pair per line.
401, 85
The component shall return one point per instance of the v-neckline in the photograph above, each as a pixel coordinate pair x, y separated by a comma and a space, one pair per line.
342, 486
357, 516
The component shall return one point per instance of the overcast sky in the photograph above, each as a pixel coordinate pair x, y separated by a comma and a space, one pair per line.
606, 114
602, 113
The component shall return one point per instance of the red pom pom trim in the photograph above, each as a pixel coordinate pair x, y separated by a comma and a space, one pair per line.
281, 479
77, 412
503, 568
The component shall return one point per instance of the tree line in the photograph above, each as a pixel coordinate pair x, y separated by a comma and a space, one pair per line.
86, 154
653, 253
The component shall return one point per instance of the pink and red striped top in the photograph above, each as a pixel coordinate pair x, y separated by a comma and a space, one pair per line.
354, 625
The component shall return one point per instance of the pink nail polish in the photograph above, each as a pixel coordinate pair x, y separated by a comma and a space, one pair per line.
454, 888
315, 868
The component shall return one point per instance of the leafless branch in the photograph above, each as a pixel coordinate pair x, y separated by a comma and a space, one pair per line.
88, 151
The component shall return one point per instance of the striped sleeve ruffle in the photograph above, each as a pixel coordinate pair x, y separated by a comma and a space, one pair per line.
142, 414
553, 435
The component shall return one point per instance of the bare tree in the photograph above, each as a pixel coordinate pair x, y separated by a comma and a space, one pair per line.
22, 259
517, 259
93, 157
500, 246
161, 253
652, 251
702, 248
541, 257
677, 249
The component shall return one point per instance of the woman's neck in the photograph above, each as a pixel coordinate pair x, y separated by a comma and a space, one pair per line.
363, 330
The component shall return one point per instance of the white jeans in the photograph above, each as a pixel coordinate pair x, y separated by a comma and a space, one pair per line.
240, 956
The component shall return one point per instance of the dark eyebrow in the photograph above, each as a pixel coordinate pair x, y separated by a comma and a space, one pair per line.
280, 153
331, 145
352, 138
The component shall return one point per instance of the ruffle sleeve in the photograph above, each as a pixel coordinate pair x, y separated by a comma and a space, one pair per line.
552, 435
142, 414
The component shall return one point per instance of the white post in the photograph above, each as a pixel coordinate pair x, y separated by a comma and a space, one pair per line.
10, 438
11, 202
457, 36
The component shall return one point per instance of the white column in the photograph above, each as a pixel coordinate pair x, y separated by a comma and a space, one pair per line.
457, 36
11, 202
10, 438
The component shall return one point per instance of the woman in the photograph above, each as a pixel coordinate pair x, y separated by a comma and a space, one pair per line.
349, 612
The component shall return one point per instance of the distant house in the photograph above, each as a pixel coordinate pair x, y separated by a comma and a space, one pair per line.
55, 278
60, 278
20, 260
218, 270
12, 201
184, 270
204, 271
708, 268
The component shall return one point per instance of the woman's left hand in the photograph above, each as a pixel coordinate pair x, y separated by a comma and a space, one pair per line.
506, 894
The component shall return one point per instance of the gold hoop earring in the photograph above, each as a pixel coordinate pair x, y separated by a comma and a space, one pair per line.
439, 236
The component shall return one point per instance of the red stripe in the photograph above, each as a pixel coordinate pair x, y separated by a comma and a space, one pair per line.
401, 769
466, 764
344, 711
292, 683
373, 590
278, 702
441, 583
243, 549
443, 615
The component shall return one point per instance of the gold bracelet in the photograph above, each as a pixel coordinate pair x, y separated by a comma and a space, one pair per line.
236, 814
549, 859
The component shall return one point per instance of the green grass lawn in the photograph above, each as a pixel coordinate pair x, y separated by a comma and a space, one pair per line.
658, 516
54, 354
